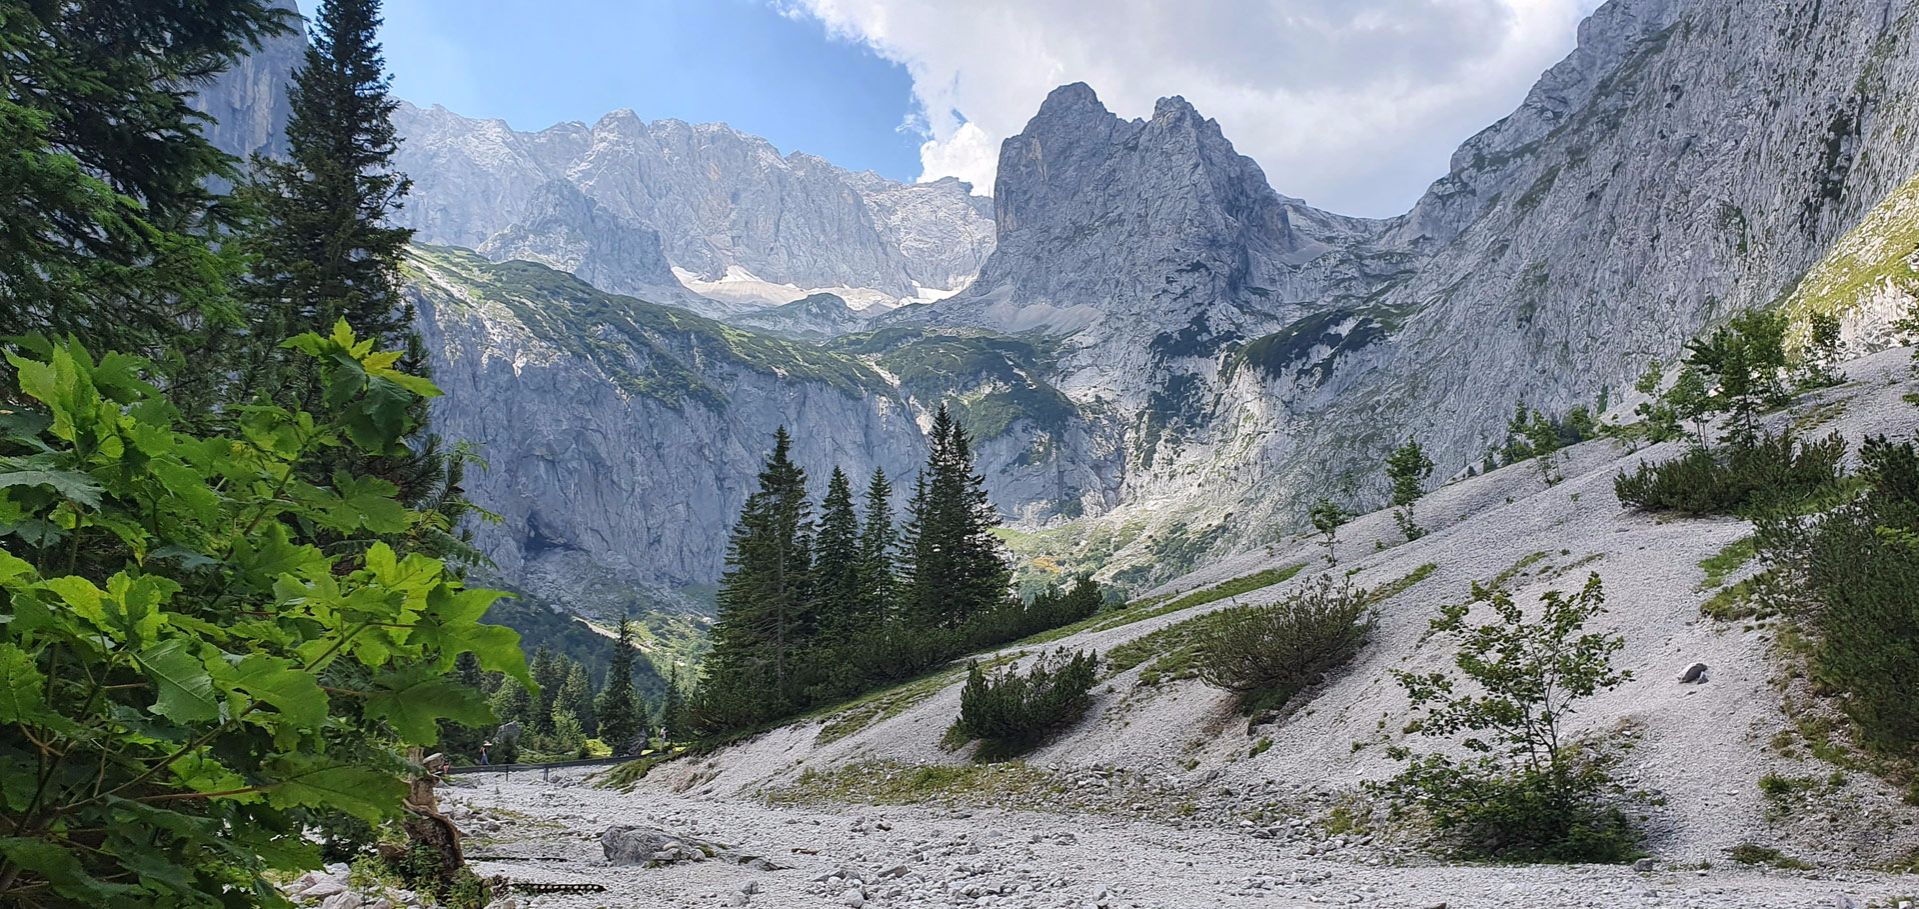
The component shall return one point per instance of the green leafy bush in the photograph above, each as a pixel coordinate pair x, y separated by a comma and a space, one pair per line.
186, 685
1772, 473
1011, 712
1268, 654
1528, 791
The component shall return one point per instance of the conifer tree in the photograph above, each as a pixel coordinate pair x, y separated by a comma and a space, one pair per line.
106, 211
764, 624
955, 570
321, 249
457, 738
836, 563
1747, 358
1327, 517
512, 703
576, 697
548, 673
618, 707
1407, 468
672, 715
878, 541
324, 251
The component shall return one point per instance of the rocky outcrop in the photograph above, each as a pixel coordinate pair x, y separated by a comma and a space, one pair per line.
725, 204
1157, 340
814, 317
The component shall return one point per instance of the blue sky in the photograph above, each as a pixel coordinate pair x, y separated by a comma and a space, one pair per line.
1354, 105
736, 61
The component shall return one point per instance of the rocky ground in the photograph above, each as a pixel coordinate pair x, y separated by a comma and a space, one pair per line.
534, 830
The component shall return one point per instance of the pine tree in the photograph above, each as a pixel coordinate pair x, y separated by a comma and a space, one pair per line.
1407, 468
752, 672
878, 542
955, 570
618, 707
836, 563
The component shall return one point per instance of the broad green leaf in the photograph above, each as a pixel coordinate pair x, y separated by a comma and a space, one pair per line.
71, 485
13, 569
81, 596
415, 700
133, 604
365, 794
21, 685
285, 687
57, 866
184, 687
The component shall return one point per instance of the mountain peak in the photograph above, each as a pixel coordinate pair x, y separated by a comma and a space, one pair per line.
1075, 98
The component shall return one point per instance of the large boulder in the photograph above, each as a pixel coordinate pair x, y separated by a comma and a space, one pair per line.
652, 847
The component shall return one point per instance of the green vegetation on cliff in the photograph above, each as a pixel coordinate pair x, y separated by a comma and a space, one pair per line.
656, 351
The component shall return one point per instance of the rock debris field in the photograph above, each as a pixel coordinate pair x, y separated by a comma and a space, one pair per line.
550, 831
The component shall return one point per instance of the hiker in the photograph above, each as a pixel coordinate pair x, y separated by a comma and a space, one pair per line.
483, 747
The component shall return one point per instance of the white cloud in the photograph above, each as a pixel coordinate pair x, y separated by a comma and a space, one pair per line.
1353, 104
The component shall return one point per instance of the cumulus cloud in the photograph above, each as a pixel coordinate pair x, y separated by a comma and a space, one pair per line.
1353, 104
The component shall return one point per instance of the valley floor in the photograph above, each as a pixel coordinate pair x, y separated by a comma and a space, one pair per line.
549, 831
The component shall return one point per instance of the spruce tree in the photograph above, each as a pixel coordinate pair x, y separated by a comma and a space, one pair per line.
455, 738
324, 250
548, 673
512, 703
618, 707
956, 571
107, 217
576, 697
764, 625
836, 563
878, 541
672, 717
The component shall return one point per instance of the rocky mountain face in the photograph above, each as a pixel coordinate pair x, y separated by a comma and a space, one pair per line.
1692, 158
564, 228
620, 437
247, 106
734, 215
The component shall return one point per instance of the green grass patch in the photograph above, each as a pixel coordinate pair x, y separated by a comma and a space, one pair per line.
1518, 568
1153, 607
1725, 562
1753, 854
889, 783
1734, 604
1398, 586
